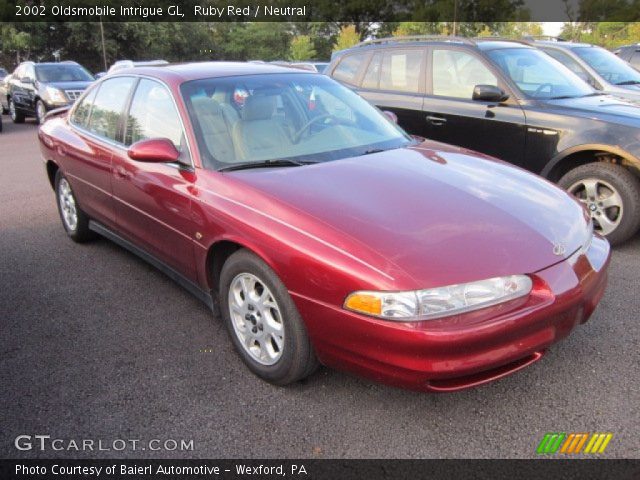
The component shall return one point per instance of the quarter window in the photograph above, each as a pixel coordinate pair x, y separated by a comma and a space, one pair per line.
401, 70
456, 73
348, 68
106, 113
81, 113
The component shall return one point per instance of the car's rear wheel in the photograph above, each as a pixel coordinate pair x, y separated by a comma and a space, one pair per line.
41, 111
263, 322
16, 115
611, 194
74, 220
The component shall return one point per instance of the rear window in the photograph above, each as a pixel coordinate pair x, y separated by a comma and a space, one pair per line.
348, 68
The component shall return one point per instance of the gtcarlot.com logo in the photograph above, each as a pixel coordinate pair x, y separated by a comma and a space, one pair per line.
46, 442
569, 443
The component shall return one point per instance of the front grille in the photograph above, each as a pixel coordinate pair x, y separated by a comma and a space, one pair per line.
73, 94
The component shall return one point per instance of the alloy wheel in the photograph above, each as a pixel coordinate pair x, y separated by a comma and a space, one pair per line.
12, 110
256, 319
40, 111
603, 202
67, 205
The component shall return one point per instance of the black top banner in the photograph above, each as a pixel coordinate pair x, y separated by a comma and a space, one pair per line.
353, 11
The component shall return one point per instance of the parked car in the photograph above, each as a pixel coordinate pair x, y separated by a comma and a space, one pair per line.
4, 98
630, 54
512, 101
122, 64
599, 67
324, 232
35, 88
3, 73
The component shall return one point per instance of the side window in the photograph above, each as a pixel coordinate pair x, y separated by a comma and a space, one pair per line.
401, 70
567, 61
29, 72
348, 68
153, 115
81, 113
372, 75
108, 107
635, 60
456, 73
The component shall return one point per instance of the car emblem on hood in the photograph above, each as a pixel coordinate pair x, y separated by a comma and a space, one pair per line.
558, 248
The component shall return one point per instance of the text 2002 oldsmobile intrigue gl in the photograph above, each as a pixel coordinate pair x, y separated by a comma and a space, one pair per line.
326, 233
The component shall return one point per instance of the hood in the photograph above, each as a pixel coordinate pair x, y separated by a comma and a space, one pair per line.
68, 85
607, 108
435, 208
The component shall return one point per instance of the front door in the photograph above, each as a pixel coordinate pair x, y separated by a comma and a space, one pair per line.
152, 200
450, 115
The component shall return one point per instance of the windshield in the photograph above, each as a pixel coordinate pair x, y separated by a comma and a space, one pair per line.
62, 73
299, 117
610, 67
538, 75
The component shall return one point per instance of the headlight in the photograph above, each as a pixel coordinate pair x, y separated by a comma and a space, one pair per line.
55, 95
438, 302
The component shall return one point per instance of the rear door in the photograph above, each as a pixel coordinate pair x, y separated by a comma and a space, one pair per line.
97, 120
152, 200
394, 81
450, 115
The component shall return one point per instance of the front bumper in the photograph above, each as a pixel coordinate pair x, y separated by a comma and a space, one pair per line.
468, 350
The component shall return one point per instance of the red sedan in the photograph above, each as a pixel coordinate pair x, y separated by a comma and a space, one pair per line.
324, 233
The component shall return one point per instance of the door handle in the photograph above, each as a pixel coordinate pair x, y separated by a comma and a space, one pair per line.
433, 120
121, 172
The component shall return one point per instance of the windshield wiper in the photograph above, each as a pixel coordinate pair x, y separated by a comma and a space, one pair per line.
373, 150
629, 82
278, 162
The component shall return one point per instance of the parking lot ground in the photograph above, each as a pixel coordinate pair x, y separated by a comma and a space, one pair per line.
96, 344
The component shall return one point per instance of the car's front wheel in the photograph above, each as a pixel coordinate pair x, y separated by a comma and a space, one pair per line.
41, 111
263, 322
74, 220
611, 194
16, 115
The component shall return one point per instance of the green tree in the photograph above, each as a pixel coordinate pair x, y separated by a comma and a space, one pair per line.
301, 48
348, 37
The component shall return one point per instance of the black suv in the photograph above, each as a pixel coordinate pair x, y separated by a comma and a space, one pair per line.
514, 102
35, 88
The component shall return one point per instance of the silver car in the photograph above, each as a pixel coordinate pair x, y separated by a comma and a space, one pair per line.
598, 67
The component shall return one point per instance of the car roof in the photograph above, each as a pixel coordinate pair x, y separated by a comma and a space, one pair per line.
480, 43
563, 44
183, 72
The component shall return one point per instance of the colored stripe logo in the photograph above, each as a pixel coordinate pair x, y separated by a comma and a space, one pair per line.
573, 443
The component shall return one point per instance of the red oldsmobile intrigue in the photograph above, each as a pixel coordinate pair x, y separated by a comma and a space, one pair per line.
322, 231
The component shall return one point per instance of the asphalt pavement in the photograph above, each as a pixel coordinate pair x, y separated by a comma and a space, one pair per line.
97, 345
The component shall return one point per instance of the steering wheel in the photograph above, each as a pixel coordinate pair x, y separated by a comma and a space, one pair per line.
298, 135
542, 87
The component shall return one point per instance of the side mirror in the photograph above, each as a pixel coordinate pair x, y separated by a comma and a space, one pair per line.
28, 80
489, 93
154, 150
390, 116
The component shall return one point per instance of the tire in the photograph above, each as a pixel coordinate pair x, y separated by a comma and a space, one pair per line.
41, 111
16, 115
611, 185
78, 230
261, 327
